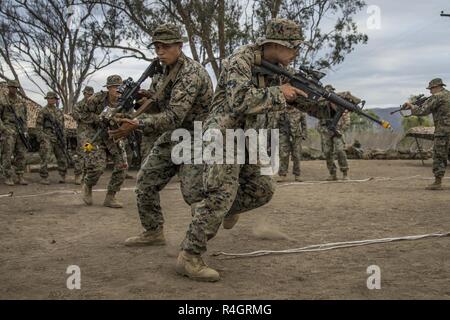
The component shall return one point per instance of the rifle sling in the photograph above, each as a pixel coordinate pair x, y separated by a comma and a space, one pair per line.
159, 93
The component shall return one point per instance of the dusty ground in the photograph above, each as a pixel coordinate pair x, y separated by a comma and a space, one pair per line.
41, 236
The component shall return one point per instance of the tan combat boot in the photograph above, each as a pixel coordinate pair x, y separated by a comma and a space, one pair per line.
45, 181
111, 201
436, 185
62, 179
147, 238
332, 177
344, 175
21, 180
9, 182
193, 266
282, 178
298, 179
230, 220
77, 179
129, 177
87, 194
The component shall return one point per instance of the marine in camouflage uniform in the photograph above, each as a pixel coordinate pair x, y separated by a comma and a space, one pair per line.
92, 115
241, 100
293, 129
79, 169
439, 106
333, 144
11, 144
48, 140
186, 93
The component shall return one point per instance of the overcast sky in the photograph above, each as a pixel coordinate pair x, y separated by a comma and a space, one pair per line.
410, 47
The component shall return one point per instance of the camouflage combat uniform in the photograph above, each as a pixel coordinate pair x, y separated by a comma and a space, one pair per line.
292, 125
333, 144
439, 106
186, 99
79, 158
147, 143
241, 100
96, 160
12, 145
48, 140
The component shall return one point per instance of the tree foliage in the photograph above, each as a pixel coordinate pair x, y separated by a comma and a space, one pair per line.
58, 41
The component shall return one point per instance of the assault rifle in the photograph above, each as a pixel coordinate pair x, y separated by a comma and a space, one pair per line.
21, 129
129, 91
308, 80
59, 132
418, 101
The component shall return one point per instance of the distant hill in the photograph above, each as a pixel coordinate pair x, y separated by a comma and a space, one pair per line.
395, 120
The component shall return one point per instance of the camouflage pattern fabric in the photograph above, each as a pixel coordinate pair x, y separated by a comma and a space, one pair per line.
11, 144
48, 139
238, 102
293, 130
185, 100
95, 161
78, 157
439, 106
147, 143
334, 145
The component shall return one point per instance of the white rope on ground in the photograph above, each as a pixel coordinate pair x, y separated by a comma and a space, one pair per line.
73, 192
333, 245
63, 192
358, 181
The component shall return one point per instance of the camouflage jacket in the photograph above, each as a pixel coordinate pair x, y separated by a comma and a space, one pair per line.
76, 115
439, 106
185, 99
326, 113
239, 102
89, 113
7, 120
44, 127
293, 122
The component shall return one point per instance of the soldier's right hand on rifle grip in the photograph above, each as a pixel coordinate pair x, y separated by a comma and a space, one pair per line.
144, 94
291, 93
407, 105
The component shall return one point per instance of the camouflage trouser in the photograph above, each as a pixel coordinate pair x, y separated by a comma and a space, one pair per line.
229, 189
48, 147
156, 171
78, 158
95, 164
147, 144
290, 146
128, 151
332, 145
12, 145
440, 155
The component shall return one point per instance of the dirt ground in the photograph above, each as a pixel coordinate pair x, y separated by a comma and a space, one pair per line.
41, 235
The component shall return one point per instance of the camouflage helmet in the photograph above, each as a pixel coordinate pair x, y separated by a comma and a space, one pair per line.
88, 89
51, 95
436, 83
114, 80
13, 83
329, 87
168, 33
284, 32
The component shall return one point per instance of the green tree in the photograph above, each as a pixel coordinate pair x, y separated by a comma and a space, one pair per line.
215, 28
360, 123
414, 121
